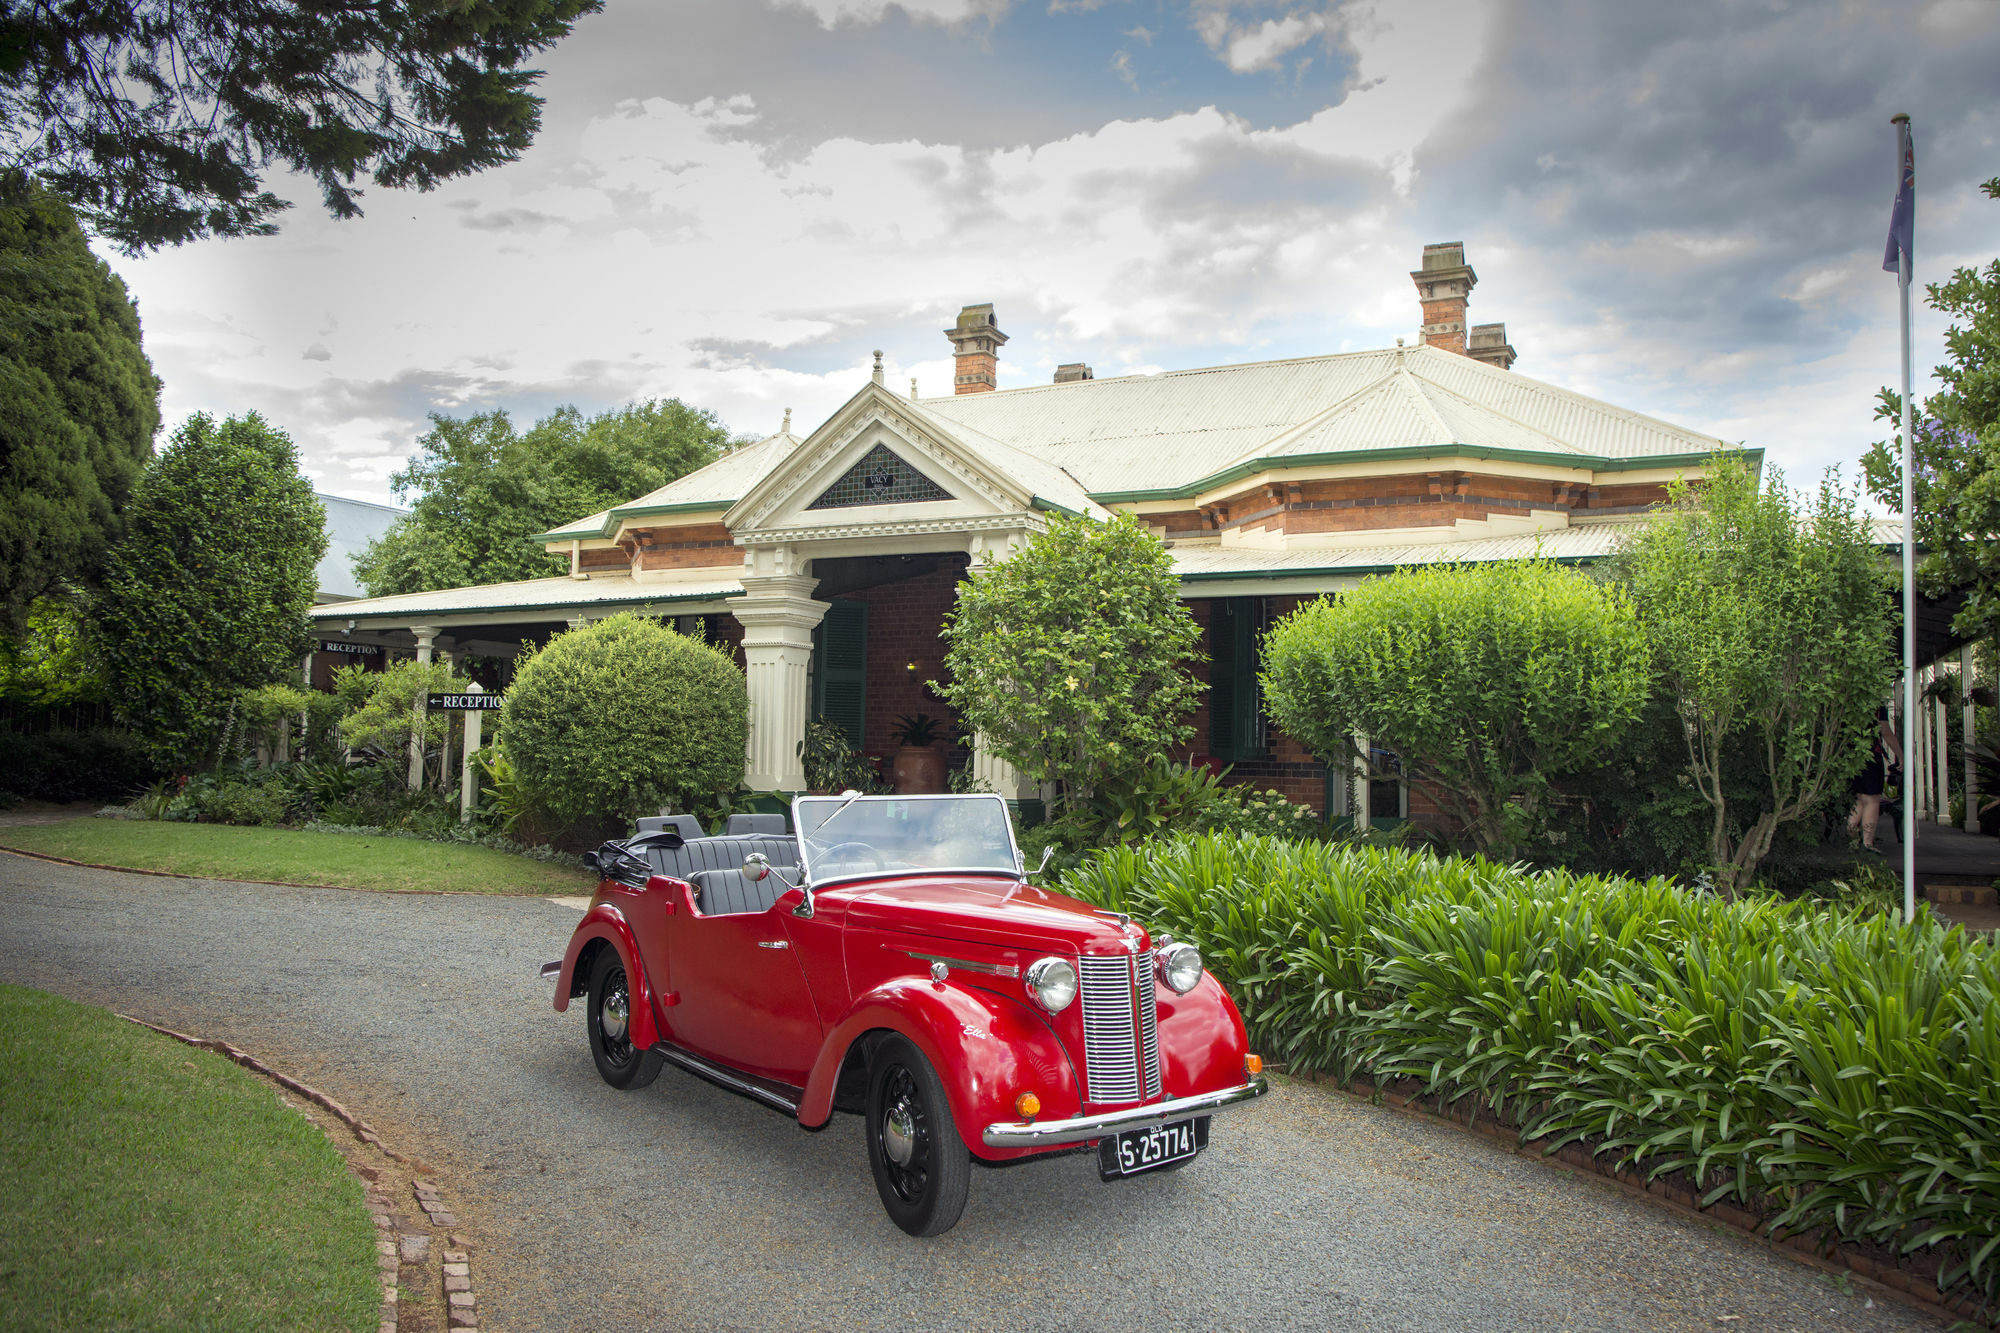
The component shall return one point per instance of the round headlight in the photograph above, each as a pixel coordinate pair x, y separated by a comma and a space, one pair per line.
1052, 981
1180, 967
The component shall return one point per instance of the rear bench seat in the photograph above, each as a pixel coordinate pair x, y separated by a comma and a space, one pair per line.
715, 867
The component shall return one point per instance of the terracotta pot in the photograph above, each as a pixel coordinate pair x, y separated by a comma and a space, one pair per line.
919, 770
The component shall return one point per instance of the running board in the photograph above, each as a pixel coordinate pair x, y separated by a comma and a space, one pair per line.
782, 1096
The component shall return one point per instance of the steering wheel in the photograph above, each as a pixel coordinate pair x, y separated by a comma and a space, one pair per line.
833, 853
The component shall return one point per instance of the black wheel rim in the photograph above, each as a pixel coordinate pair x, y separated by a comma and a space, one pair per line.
903, 1104
616, 997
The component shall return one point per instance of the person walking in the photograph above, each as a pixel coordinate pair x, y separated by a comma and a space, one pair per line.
1869, 782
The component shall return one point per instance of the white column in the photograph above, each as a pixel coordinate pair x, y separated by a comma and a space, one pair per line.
468, 789
420, 709
778, 615
1941, 752
997, 774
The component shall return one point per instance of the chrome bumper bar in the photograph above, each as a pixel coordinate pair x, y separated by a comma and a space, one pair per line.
552, 971
1036, 1134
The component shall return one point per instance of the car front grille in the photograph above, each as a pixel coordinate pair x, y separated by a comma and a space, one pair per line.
1121, 1045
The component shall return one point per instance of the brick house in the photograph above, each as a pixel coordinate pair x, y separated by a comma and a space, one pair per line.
828, 560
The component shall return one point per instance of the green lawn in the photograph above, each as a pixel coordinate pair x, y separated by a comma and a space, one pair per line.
150, 1185
347, 860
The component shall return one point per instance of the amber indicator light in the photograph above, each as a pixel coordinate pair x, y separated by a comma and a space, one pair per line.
1253, 1064
1028, 1105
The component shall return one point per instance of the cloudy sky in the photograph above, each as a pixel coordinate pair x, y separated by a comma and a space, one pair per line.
1679, 208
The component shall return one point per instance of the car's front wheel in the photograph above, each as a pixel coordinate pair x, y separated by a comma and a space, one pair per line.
608, 1017
922, 1169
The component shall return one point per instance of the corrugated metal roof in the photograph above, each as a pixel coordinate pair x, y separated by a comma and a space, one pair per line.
1583, 542
717, 486
1171, 431
552, 594
1176, 432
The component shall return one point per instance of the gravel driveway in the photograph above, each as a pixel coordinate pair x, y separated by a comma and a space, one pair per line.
684, 1207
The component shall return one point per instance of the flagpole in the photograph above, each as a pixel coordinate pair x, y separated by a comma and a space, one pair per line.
1902, 124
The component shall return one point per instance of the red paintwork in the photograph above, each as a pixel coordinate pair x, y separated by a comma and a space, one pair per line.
605, 922
784, 997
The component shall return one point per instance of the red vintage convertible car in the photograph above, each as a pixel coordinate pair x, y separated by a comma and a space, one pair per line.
894, 960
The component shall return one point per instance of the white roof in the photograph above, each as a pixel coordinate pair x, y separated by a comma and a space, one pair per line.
717, 486
1204, 561
350, 526
1143, 434
550, 596
1078, 444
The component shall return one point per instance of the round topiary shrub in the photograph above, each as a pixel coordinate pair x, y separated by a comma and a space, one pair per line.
616, 719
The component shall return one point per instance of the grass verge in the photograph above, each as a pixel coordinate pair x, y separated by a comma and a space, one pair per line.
153, 1186
290, 856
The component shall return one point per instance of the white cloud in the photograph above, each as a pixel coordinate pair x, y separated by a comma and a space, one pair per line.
831, 13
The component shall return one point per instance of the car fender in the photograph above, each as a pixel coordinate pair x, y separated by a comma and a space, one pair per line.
987, 1049
1202, 1040
606, 922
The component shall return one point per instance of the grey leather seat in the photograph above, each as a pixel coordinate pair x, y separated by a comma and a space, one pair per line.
714, 866
728, 892
686, 825
769, 824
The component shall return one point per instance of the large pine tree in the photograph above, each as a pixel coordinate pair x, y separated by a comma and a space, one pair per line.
78, 400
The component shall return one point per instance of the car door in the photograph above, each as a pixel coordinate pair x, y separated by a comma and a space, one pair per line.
742, 996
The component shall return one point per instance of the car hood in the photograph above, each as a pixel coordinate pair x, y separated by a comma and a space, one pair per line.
999, 912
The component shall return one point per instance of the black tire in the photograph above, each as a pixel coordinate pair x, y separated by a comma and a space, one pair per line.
909, 1118
607, 1017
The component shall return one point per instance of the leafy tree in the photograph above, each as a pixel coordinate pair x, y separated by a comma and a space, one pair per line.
616, 719
478, 490
385, 708
208, 592
1486, 680
158, 118
1770, 631
47, 665
78, 400
1069, 658
1955, 454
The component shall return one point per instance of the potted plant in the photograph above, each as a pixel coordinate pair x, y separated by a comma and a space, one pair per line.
919, 764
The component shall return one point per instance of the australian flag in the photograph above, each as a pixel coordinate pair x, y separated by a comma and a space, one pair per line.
1903, 221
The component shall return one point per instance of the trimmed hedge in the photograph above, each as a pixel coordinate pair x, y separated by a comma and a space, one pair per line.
614, 720
1832, 1071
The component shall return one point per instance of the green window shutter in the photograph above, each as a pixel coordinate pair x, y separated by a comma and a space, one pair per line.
840, 668
1222, 680
1251, 620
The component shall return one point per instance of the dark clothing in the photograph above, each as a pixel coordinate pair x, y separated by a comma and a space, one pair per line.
1873, 774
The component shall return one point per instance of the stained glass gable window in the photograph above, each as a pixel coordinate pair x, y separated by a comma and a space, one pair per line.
880, 478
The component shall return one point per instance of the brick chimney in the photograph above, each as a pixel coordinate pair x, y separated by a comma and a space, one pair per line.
976, 341
1489, 344
1443, 284
1073, 371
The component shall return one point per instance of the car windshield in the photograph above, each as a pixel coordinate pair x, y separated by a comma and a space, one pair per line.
843, 837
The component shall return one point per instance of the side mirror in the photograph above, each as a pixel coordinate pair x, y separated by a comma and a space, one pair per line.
1048, 855
757, 866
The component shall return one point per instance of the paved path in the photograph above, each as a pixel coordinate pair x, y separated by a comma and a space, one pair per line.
683, 1207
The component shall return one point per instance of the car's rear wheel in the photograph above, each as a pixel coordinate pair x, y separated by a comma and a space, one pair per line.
608, 1016
922, 1170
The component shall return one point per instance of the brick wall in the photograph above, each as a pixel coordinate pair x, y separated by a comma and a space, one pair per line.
695, 546
605, 557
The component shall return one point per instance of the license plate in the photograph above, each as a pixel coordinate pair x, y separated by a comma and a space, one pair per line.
1139, 1150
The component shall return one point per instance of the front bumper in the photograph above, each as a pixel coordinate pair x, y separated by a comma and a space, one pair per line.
1042, 1133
